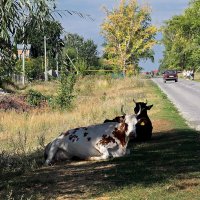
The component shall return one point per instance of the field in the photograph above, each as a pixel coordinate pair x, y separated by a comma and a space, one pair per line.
167, 167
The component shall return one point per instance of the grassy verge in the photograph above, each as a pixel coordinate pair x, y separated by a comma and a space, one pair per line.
167, 167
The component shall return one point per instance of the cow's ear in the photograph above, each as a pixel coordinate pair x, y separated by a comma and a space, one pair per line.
121, 119
149, 107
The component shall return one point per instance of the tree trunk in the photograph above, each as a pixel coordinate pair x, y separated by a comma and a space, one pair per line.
124, 71
124, 68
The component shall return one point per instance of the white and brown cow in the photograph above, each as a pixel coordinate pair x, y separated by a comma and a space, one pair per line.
96, 142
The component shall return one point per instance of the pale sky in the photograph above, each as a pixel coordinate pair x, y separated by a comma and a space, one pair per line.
161, 11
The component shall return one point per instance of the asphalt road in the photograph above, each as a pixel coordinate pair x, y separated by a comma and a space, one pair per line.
185, 95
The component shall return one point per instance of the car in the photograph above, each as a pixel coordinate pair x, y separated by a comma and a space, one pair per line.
170, 75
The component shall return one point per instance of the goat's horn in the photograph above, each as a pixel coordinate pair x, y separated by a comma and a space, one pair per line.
134, 101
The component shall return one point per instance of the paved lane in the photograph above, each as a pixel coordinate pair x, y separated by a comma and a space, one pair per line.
185, 95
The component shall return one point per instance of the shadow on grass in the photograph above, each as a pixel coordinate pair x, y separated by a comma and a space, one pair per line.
166, 156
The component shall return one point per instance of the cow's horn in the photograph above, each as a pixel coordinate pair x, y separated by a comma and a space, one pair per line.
122, 110
140, 110
146, 101
134, 101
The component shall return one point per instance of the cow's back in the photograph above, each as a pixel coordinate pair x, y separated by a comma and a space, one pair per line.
83, 142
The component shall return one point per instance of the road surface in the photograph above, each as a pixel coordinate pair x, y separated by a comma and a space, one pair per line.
185, 95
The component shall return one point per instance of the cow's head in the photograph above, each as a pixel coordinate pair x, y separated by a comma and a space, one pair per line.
143, 106
130, 121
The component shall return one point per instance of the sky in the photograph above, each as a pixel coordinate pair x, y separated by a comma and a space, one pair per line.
161, 10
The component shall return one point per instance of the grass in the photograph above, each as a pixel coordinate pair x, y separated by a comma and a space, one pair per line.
167, 167
197, 76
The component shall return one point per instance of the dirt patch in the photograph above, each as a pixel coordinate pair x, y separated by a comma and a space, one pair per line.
161, 125
13, 102
187, 185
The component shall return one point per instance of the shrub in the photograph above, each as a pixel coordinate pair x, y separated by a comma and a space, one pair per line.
33, 68
66, 89
35, 98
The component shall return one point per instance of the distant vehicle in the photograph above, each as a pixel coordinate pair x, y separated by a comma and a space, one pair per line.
170, 75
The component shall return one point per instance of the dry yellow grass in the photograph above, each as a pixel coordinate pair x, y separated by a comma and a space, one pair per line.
167, 167
97, 98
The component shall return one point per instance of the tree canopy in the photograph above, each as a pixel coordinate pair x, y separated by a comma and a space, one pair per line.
14, 15
129, 35
21, 13
83, 53
181, 39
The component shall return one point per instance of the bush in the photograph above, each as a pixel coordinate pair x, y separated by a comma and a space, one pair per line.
33, 68
35, 98
65, 92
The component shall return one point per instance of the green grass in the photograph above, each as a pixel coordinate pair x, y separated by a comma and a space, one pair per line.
165, 168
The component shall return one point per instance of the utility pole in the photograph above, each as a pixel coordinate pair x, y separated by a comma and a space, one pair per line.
23, 65
45, 59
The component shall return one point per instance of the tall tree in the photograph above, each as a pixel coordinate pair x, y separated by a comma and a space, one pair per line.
175, 43
51, 29
129, 34
181, 39
82, 52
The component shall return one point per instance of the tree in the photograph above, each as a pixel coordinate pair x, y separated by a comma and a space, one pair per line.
128, 34
175, 44
181, 39
51, 29
83, 53
13, 15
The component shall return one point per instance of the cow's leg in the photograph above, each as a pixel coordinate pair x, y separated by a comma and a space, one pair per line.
51, 154
104, 154
120, 152
53, 149
61, 155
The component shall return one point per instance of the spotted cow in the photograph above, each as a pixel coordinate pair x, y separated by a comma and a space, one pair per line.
96, 142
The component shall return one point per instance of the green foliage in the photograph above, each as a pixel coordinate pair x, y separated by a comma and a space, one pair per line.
51, 29
65, 95
35, 98
12, 13
81, 66
181, 39
129, 35
15, 14
82, 52
33, 68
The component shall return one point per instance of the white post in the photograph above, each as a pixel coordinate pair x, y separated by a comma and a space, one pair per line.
45, 59
23, 56
57, 63
23, 65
